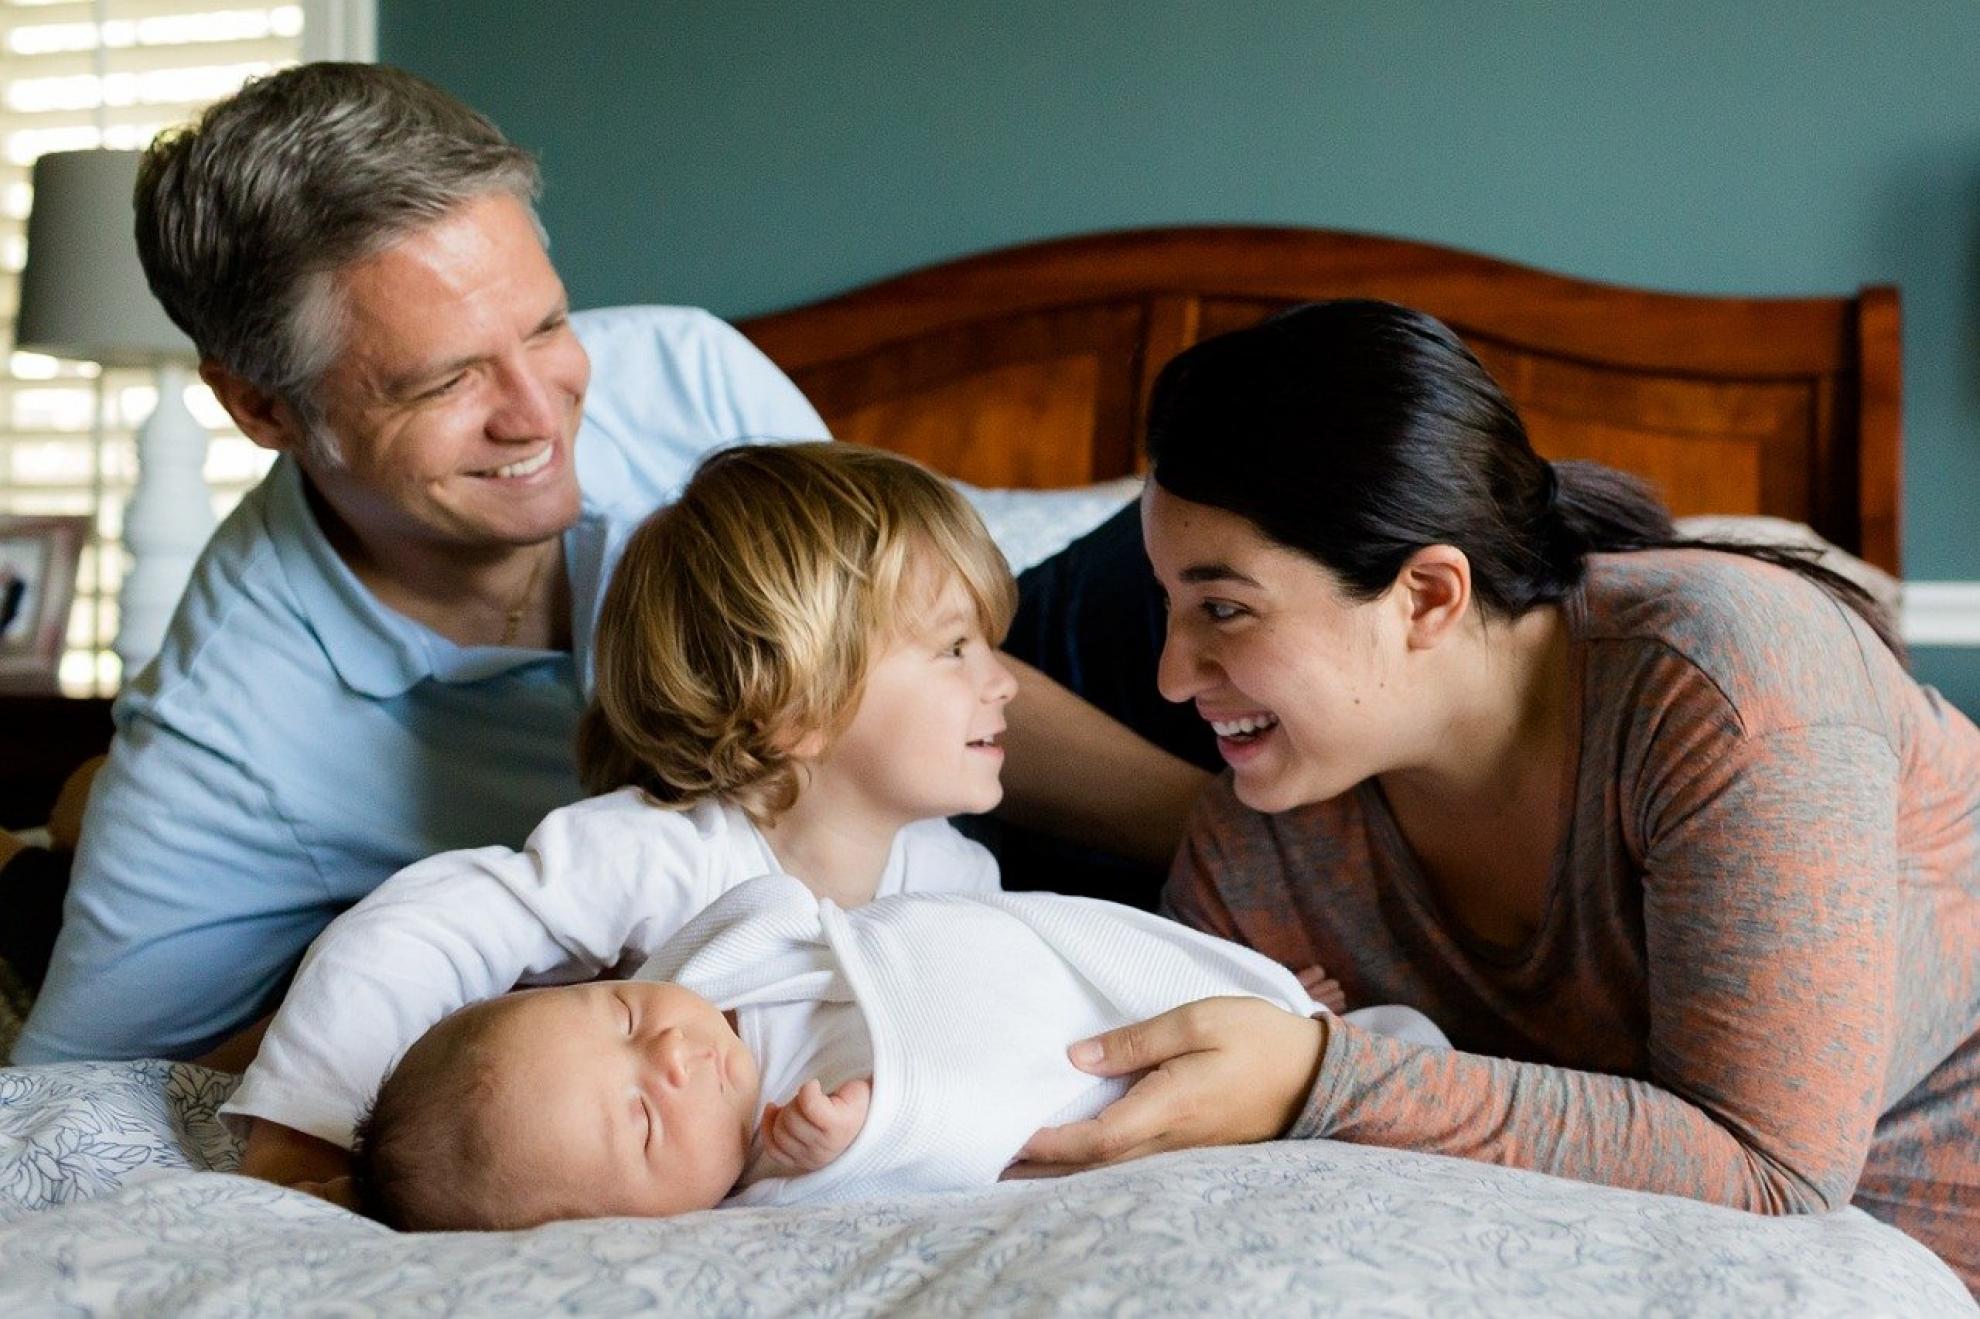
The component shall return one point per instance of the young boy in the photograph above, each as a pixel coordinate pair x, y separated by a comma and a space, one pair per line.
796, 674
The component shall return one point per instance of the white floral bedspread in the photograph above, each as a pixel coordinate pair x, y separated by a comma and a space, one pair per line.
107, 1206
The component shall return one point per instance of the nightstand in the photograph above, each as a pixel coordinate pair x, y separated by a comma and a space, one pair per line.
42, 740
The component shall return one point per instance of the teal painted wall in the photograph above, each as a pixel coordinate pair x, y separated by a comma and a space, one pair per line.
744, 156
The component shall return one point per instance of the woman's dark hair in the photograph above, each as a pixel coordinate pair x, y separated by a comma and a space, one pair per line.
1358, 432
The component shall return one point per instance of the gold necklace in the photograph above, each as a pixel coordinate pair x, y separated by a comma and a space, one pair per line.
512, 621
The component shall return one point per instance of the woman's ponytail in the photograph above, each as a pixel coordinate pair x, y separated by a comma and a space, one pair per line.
1358, 432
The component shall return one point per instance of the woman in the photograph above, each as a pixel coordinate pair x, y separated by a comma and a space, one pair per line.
1664, 837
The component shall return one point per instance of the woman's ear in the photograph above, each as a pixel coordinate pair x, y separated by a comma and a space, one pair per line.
1435, 584
262, 417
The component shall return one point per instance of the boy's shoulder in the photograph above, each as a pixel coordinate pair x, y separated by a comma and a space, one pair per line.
933, 856
629, 814
933, 838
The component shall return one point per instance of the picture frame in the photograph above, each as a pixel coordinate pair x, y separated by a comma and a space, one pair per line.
38, 560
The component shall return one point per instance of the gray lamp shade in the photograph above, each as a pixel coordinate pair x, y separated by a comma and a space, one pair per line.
83, 294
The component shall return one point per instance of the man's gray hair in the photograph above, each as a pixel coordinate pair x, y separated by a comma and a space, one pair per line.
244, 217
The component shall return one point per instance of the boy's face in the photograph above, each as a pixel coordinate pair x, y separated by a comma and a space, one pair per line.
620, 1098
927, 738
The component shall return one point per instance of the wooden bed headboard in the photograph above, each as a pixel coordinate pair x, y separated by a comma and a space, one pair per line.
1031, 366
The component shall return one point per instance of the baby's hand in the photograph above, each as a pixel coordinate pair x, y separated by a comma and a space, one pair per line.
1323, 988
813, 1129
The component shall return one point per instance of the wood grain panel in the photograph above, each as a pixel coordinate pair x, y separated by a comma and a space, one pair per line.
965, 426
1788, 406
1712, 446
1041, 398
1695, 473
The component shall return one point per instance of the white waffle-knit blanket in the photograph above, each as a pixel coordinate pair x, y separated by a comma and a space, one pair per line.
968, 1003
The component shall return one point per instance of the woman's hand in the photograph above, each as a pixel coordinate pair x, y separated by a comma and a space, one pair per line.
1227, 1071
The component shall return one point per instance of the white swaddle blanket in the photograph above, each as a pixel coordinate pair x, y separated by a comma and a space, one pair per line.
959, 1007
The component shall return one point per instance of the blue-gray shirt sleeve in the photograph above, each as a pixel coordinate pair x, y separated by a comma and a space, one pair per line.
190, 900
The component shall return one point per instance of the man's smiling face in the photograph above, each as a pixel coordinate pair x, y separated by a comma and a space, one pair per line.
454, 403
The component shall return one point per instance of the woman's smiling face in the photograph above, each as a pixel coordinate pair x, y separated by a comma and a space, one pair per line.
1300, 682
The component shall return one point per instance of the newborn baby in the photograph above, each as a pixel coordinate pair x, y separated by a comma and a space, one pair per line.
630, 1097
923, 1039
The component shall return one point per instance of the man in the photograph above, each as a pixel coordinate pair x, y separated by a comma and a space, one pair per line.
384, 650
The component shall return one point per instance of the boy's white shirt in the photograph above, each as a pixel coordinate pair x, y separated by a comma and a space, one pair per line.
600, 885
960, 1007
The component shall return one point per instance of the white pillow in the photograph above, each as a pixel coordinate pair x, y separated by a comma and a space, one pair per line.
1031, 526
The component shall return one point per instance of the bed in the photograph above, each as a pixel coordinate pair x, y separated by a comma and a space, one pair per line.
1024, 373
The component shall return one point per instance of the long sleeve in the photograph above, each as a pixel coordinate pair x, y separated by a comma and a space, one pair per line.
597, 884
1767, 918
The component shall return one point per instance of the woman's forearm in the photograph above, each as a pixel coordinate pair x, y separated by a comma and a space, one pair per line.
1588, 1126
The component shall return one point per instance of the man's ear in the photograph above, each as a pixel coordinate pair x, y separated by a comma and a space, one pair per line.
263, 417
1435, 586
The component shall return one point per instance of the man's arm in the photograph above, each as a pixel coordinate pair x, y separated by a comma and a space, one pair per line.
189, 903
65, 817
1075, 772
670, 384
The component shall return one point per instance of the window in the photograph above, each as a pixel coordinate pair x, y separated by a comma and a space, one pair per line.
112, 73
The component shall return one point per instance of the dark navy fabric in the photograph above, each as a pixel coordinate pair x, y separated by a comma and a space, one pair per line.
1091, 618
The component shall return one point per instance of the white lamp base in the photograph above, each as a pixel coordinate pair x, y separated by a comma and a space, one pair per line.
166, 524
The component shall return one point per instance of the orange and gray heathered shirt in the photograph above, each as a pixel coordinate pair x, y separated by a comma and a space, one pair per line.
1757, 979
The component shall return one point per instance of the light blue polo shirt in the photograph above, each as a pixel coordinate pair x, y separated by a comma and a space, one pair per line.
296, 742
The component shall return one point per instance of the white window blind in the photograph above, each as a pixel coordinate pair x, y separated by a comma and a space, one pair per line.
67, 82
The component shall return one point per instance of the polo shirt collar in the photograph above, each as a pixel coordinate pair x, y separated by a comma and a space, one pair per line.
375, 650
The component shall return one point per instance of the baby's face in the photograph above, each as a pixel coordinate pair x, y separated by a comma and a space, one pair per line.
621, 1097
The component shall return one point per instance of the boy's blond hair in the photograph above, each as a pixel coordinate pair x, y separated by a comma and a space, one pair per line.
744, 616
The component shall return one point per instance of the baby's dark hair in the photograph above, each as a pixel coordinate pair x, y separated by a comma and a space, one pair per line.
424, 1161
